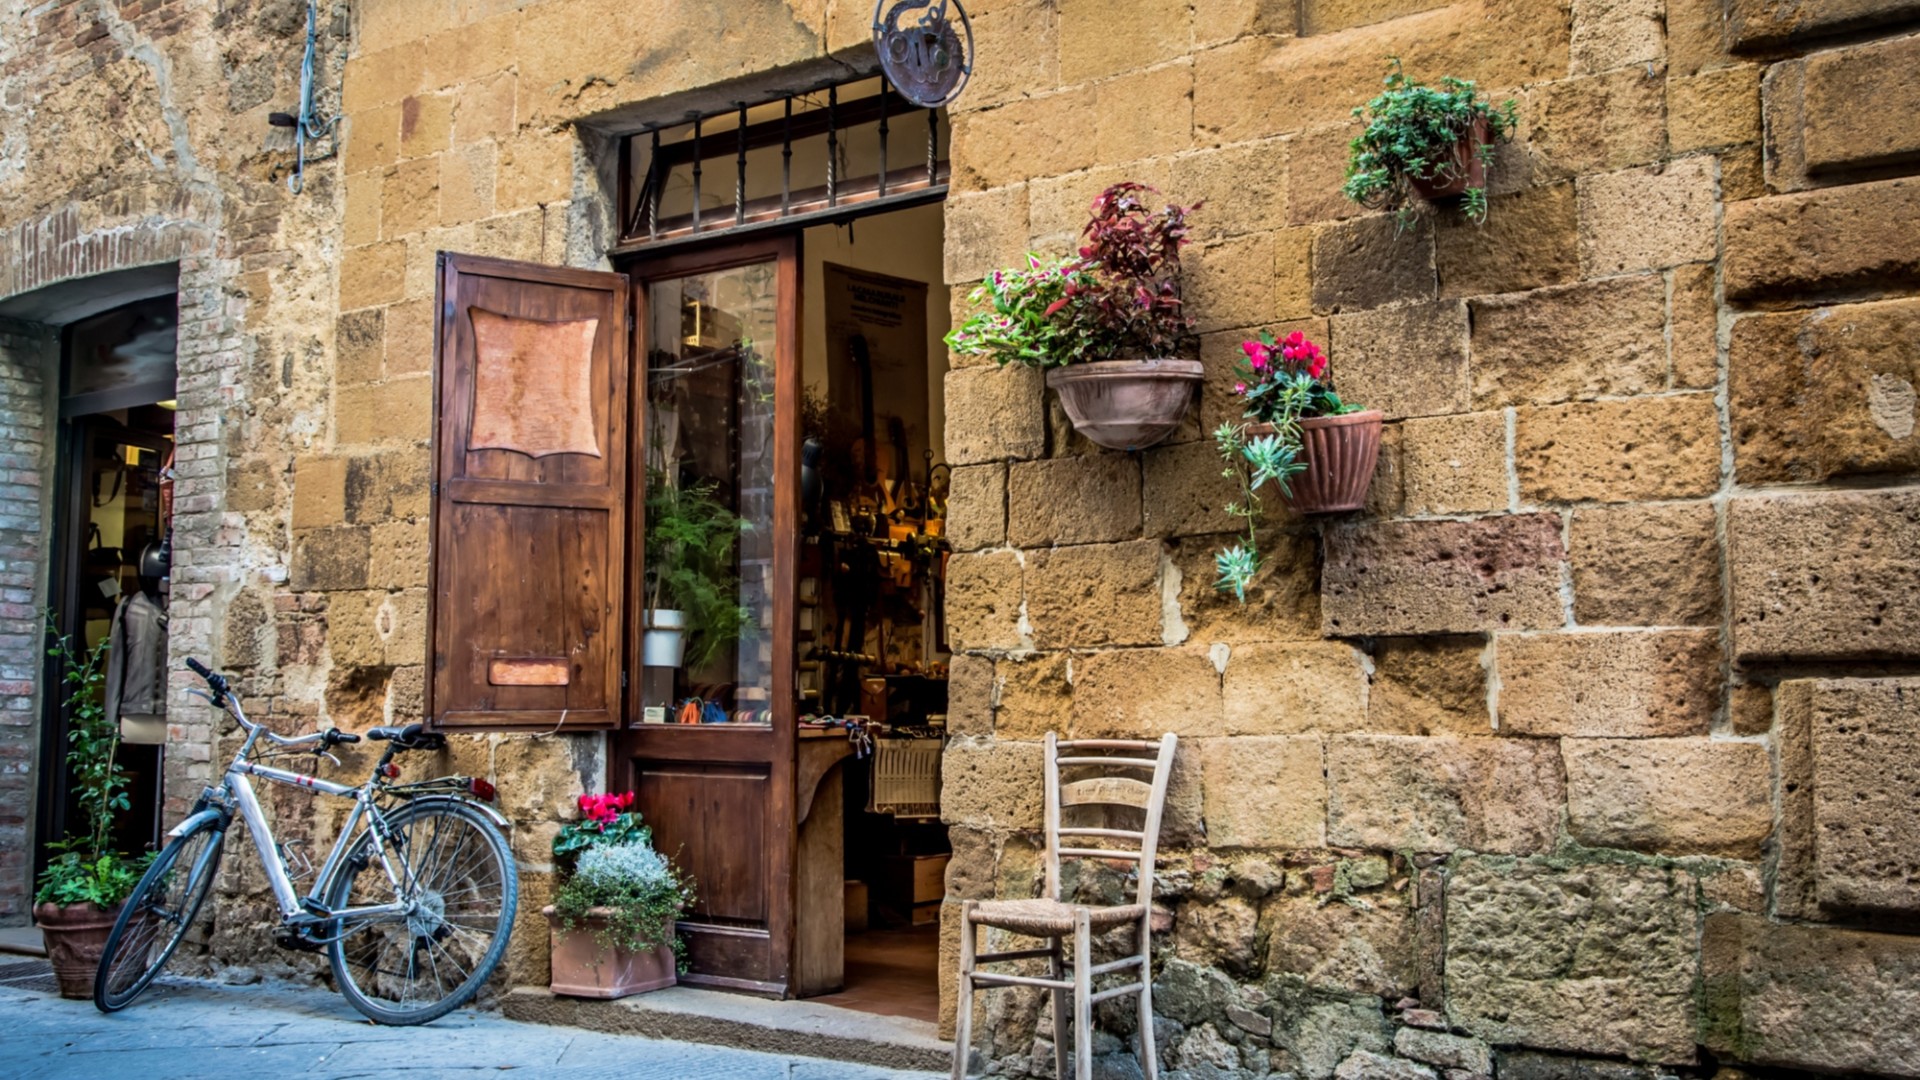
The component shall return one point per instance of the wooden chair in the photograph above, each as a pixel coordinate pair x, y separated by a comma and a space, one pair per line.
1094, 763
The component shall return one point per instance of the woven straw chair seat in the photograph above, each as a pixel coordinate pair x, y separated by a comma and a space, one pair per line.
1049, 918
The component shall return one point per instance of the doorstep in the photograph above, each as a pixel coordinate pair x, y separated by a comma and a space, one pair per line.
22, 941
718, 1018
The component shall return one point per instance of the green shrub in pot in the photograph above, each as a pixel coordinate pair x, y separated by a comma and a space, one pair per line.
1427, 141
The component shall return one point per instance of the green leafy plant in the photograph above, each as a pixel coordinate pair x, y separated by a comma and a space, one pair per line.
1413, 132
691, 536
639, 890
1281, 382
1118, 298
84, 869
604, 820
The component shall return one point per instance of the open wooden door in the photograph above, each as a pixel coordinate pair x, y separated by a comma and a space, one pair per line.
718, 408
529, 496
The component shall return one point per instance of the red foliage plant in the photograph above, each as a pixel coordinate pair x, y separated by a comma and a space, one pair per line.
1123, 296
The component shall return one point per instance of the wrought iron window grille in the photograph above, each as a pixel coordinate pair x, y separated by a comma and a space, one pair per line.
804, 158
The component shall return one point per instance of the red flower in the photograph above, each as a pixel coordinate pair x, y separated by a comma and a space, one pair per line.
1318, 367
1296, 338
1253, 349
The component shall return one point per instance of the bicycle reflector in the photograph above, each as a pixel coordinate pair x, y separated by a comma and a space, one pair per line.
390, 770
481, 789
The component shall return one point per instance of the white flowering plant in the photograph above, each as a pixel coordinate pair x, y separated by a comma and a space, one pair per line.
638, 891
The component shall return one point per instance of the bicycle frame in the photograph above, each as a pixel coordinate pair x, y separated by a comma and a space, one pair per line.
237, 791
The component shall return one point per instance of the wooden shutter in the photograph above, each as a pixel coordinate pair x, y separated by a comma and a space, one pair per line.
529, 506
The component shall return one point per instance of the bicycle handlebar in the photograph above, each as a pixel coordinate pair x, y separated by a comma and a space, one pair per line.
222, 698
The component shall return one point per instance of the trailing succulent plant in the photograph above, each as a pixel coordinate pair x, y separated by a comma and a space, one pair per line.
1415, 132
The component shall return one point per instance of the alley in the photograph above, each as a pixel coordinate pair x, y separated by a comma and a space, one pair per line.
190, 1028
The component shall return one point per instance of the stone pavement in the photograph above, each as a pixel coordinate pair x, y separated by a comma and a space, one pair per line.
191, 1028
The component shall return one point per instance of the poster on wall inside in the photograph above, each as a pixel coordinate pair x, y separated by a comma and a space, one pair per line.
877, 363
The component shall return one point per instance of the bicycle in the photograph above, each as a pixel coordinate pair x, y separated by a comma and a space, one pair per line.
419, 889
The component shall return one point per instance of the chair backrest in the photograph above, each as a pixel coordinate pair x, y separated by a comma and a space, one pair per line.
1106, 773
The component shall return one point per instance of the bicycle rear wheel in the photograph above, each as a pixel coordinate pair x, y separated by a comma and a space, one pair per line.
156, 917
460, 890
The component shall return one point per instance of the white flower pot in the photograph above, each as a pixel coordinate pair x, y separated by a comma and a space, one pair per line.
665, 643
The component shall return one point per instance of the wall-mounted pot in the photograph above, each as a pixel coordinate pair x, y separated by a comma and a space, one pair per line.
1468, 168
1340, 453
1127, 404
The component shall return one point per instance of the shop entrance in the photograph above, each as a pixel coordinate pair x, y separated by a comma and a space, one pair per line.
785, 731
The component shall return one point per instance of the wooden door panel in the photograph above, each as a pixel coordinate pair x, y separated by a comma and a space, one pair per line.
712, 816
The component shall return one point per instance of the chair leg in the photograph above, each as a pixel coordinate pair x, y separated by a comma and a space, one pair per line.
1149, 1057
1062, 1001
963, 1011
1082, 995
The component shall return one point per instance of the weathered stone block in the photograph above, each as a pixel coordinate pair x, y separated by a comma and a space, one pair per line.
1618, 683
1358, 948
1367, 1065
1090, 499
1808, 997
1264, 791
410, 195
397, 555
1755, 24
1597, 123
992, 784
1669, 796
1825, 576
359, 345
1570, 342
977, 507
1714, 109
1645, 565
1282, 602
1144, 693
331, 558
1749, 708
1866, 767
1609, 34
1618, 451
1101, 594
1244, 187
1186, 491
1144, 114
395, 411
1288, 687
984, 232
1429, 686
319, 492
372, 274
1694, 329
1596, 959
984, 600
1860, 237
1248, 280
1415, 793
1370, 262
1446, 1051
1404, 361
970, 695
994, 414
376, 629
1017, 53
1096, 40
1316, 172
388, 487
1530, 239
1796, 702
1031, 695
1455, 464
1648, 218
1038, 136
1440, 577
1058, 206
1826, 393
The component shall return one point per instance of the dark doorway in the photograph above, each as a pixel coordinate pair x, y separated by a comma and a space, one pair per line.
115, 436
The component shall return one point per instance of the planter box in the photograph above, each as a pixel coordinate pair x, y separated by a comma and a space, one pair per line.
582, 967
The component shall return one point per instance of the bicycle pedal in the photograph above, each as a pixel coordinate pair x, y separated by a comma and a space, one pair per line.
298, 941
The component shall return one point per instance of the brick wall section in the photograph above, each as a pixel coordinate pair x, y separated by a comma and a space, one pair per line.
25, 355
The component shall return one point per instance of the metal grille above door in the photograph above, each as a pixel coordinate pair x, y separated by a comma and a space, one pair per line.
841, 151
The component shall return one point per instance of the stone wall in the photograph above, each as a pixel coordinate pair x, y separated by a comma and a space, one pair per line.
1552, 755
24, 406
1594, 696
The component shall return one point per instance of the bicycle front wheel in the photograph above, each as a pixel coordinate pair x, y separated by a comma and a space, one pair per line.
156, 917
458, 892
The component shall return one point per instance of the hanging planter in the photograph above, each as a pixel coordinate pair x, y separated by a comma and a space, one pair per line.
1119, 297
1339, 453
1127, 404
1426, 143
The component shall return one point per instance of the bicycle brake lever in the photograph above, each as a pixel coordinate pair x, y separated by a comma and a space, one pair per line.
328, 756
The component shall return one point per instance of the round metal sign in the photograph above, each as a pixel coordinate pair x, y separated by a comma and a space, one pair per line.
927, 57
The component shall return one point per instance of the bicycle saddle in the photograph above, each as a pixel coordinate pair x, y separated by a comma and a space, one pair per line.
410, 737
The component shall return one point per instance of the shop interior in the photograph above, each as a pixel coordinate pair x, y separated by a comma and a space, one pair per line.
869, 592
112, 565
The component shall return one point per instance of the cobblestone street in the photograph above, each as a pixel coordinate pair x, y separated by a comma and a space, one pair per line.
190, 1028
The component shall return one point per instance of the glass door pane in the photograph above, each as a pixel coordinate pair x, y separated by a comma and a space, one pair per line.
710, 538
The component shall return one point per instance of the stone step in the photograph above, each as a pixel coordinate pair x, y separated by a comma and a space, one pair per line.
720, 1019
22, 941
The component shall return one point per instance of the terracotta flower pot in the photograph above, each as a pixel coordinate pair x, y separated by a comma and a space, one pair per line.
1126, 404
582, 967
1340, 452
1468, 169
75, 935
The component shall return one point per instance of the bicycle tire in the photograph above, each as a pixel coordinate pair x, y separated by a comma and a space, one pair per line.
117, 985
357, 952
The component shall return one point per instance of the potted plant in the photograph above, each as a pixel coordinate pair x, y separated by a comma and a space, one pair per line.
83, 886
612, 918
693, 606
1431, 142
1317, 449
1106, 324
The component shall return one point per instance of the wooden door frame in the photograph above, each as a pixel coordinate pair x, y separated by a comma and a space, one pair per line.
719, 744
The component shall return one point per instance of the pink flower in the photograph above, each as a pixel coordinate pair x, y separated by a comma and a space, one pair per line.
1260, 362
1240, 388
1318, 367
1296, 338
1253, 349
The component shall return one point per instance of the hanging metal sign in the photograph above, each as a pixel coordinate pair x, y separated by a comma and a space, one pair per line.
928, 57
